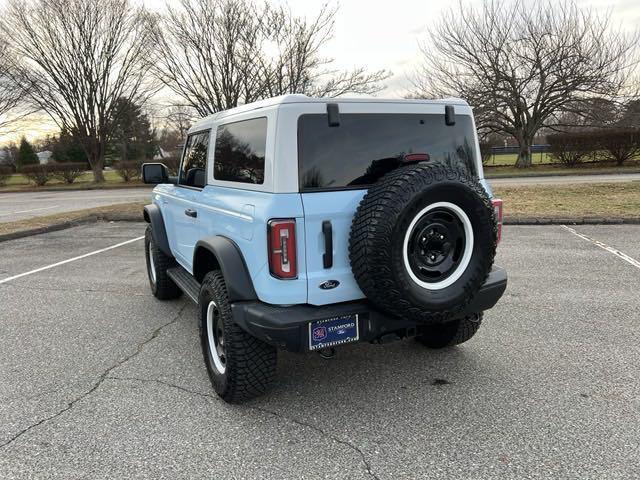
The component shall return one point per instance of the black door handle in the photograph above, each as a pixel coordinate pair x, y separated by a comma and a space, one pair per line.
190, 213
327, 257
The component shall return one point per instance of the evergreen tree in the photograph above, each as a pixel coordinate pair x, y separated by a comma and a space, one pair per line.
66, 148
132, 137
26, 154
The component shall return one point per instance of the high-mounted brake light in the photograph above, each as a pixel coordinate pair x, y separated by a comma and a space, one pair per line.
497, 208
281, 234
416, 157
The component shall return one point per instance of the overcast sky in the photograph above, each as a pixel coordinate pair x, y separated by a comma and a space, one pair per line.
385, 34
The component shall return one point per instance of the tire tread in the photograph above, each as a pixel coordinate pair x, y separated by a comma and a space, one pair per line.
251, 363
370, 241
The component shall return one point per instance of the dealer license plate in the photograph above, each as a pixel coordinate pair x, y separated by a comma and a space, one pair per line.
333, 331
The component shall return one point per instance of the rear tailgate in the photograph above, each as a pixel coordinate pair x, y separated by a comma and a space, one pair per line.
335, 283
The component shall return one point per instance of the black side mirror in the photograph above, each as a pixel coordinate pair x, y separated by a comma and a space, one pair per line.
155, 173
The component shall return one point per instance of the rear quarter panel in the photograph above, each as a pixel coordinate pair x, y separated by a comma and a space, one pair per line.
242, 216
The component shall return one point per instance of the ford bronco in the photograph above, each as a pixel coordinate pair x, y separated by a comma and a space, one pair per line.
304, 223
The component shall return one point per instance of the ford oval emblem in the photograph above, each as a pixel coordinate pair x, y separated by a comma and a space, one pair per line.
329, 284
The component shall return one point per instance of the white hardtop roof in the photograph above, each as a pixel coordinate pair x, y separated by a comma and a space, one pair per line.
299, 98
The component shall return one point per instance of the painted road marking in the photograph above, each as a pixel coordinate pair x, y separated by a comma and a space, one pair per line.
80, 257
27, 211
87, 198
606, 247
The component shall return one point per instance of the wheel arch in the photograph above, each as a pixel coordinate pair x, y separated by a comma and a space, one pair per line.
218, 252
153, 215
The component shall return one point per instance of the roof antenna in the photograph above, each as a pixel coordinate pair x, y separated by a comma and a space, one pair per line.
334, 114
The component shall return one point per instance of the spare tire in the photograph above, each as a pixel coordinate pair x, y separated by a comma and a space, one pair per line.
422, 242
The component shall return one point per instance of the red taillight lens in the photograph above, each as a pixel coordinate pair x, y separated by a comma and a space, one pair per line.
282, 248
415, 157
497, 208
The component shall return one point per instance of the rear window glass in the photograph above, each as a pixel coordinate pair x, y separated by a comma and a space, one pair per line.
240, 150
366, 146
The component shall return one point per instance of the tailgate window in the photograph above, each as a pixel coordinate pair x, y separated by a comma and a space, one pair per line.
366, 146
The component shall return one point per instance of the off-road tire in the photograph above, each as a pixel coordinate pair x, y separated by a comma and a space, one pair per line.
162, 287
383, 220
451, 333
250, 364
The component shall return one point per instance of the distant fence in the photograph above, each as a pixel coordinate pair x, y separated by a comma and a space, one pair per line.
537, 153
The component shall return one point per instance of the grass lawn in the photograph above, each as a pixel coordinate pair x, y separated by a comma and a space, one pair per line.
619, 200
110, 176
540, 158
588, 169
128, 211
509, 159
20, 182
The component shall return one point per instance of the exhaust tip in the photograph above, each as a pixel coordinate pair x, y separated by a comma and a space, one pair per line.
327, 353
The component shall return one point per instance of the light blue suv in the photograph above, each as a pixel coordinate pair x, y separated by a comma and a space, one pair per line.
306, 223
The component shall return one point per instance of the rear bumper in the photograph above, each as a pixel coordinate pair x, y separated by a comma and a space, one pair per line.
288, 327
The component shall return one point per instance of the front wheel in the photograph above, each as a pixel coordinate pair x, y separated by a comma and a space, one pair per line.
158, 263
240, 366
448, 334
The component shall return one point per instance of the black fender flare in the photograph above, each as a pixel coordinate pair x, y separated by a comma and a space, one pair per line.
153, 216
229, 259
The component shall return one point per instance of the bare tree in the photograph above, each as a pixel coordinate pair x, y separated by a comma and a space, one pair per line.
10, 96
180, 119
522, 65
217, 54
298, 65
78, 57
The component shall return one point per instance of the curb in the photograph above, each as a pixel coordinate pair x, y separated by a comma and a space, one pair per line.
571, 221
72, 223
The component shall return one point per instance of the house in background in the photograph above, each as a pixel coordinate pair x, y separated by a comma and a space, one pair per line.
44, 157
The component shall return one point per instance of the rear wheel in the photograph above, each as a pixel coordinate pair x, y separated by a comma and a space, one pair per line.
158, 263
448, 334
240, 366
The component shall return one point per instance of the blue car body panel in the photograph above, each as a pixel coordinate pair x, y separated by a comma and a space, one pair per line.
242, 216
338, 208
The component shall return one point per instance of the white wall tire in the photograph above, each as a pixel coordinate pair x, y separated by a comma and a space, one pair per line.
158, 263
432, 207
215, 332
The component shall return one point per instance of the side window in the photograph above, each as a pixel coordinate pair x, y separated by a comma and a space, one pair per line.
240, 150
193, 171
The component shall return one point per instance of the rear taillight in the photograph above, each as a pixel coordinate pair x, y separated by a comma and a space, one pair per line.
282, 248
497, 208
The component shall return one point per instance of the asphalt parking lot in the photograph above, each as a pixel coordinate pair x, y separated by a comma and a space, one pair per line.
100, 380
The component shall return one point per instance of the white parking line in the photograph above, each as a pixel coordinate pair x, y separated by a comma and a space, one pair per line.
606, 247
5, 280
27, 211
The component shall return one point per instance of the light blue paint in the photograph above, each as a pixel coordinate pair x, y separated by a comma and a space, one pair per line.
339, 208
242, 216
